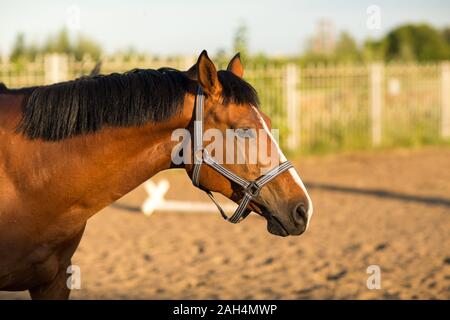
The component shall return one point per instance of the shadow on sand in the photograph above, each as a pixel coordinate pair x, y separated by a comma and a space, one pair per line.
433, 201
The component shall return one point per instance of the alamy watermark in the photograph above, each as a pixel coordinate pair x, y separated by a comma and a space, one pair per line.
373, 21
73, 21
374, 280
234, 146
74, 280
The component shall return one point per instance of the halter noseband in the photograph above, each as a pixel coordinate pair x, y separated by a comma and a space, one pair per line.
251, 189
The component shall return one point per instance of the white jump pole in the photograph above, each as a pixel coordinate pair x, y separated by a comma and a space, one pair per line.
156, 202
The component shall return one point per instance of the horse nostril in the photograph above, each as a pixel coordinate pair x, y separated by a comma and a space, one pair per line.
301, 216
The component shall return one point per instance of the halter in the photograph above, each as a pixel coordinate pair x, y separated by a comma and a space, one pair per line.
251, 189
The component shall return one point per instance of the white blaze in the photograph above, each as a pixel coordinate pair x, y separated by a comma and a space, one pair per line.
292, 171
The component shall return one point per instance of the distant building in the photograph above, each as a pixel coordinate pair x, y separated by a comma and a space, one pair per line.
323, 41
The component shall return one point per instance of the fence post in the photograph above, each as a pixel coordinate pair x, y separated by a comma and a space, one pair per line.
55, 68
445, 92
376, 74
292, 76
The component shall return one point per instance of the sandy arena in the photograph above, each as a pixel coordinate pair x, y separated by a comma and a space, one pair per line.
390, 209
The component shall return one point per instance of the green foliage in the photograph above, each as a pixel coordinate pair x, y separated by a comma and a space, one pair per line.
346, 50
311, 57
59, 43
407, 43
415, 43
19, 48
221, 58
373, 50
240, 40
337, 137
85, 46
446, 35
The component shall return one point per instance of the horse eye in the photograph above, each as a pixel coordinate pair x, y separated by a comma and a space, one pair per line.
245, 133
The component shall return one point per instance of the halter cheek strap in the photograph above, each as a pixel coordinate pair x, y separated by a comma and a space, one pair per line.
250, 189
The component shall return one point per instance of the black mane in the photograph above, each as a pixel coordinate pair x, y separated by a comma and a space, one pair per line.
87, 104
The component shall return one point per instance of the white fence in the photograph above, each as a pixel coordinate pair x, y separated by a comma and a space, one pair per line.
316, 108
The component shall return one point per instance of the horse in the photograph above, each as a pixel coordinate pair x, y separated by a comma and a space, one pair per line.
69, 149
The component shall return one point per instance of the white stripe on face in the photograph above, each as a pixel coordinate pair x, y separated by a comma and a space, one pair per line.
292, 171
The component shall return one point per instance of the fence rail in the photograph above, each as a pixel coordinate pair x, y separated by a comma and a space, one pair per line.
316, 108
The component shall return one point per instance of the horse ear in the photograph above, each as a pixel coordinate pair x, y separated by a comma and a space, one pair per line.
236, 66
207, 74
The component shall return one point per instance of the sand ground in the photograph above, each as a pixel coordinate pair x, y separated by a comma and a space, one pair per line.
390, 209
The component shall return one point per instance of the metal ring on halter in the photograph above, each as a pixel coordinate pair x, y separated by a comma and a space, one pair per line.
251, 189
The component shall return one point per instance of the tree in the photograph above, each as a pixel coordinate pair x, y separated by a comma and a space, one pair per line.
346, 49
19, 47
86, 46
59, 43
373, 50
240, 40
446, 35
415, 43
221, 58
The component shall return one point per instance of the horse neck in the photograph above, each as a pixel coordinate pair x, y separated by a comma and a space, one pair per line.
119, 162
87, 173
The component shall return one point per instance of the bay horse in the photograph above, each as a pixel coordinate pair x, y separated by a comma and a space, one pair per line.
69, 149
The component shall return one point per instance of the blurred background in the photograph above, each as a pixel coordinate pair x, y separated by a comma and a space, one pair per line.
360, 92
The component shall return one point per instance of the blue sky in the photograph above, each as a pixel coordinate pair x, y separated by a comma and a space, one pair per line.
187, 27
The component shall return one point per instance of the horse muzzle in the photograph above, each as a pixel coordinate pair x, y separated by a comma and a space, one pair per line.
294, 224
